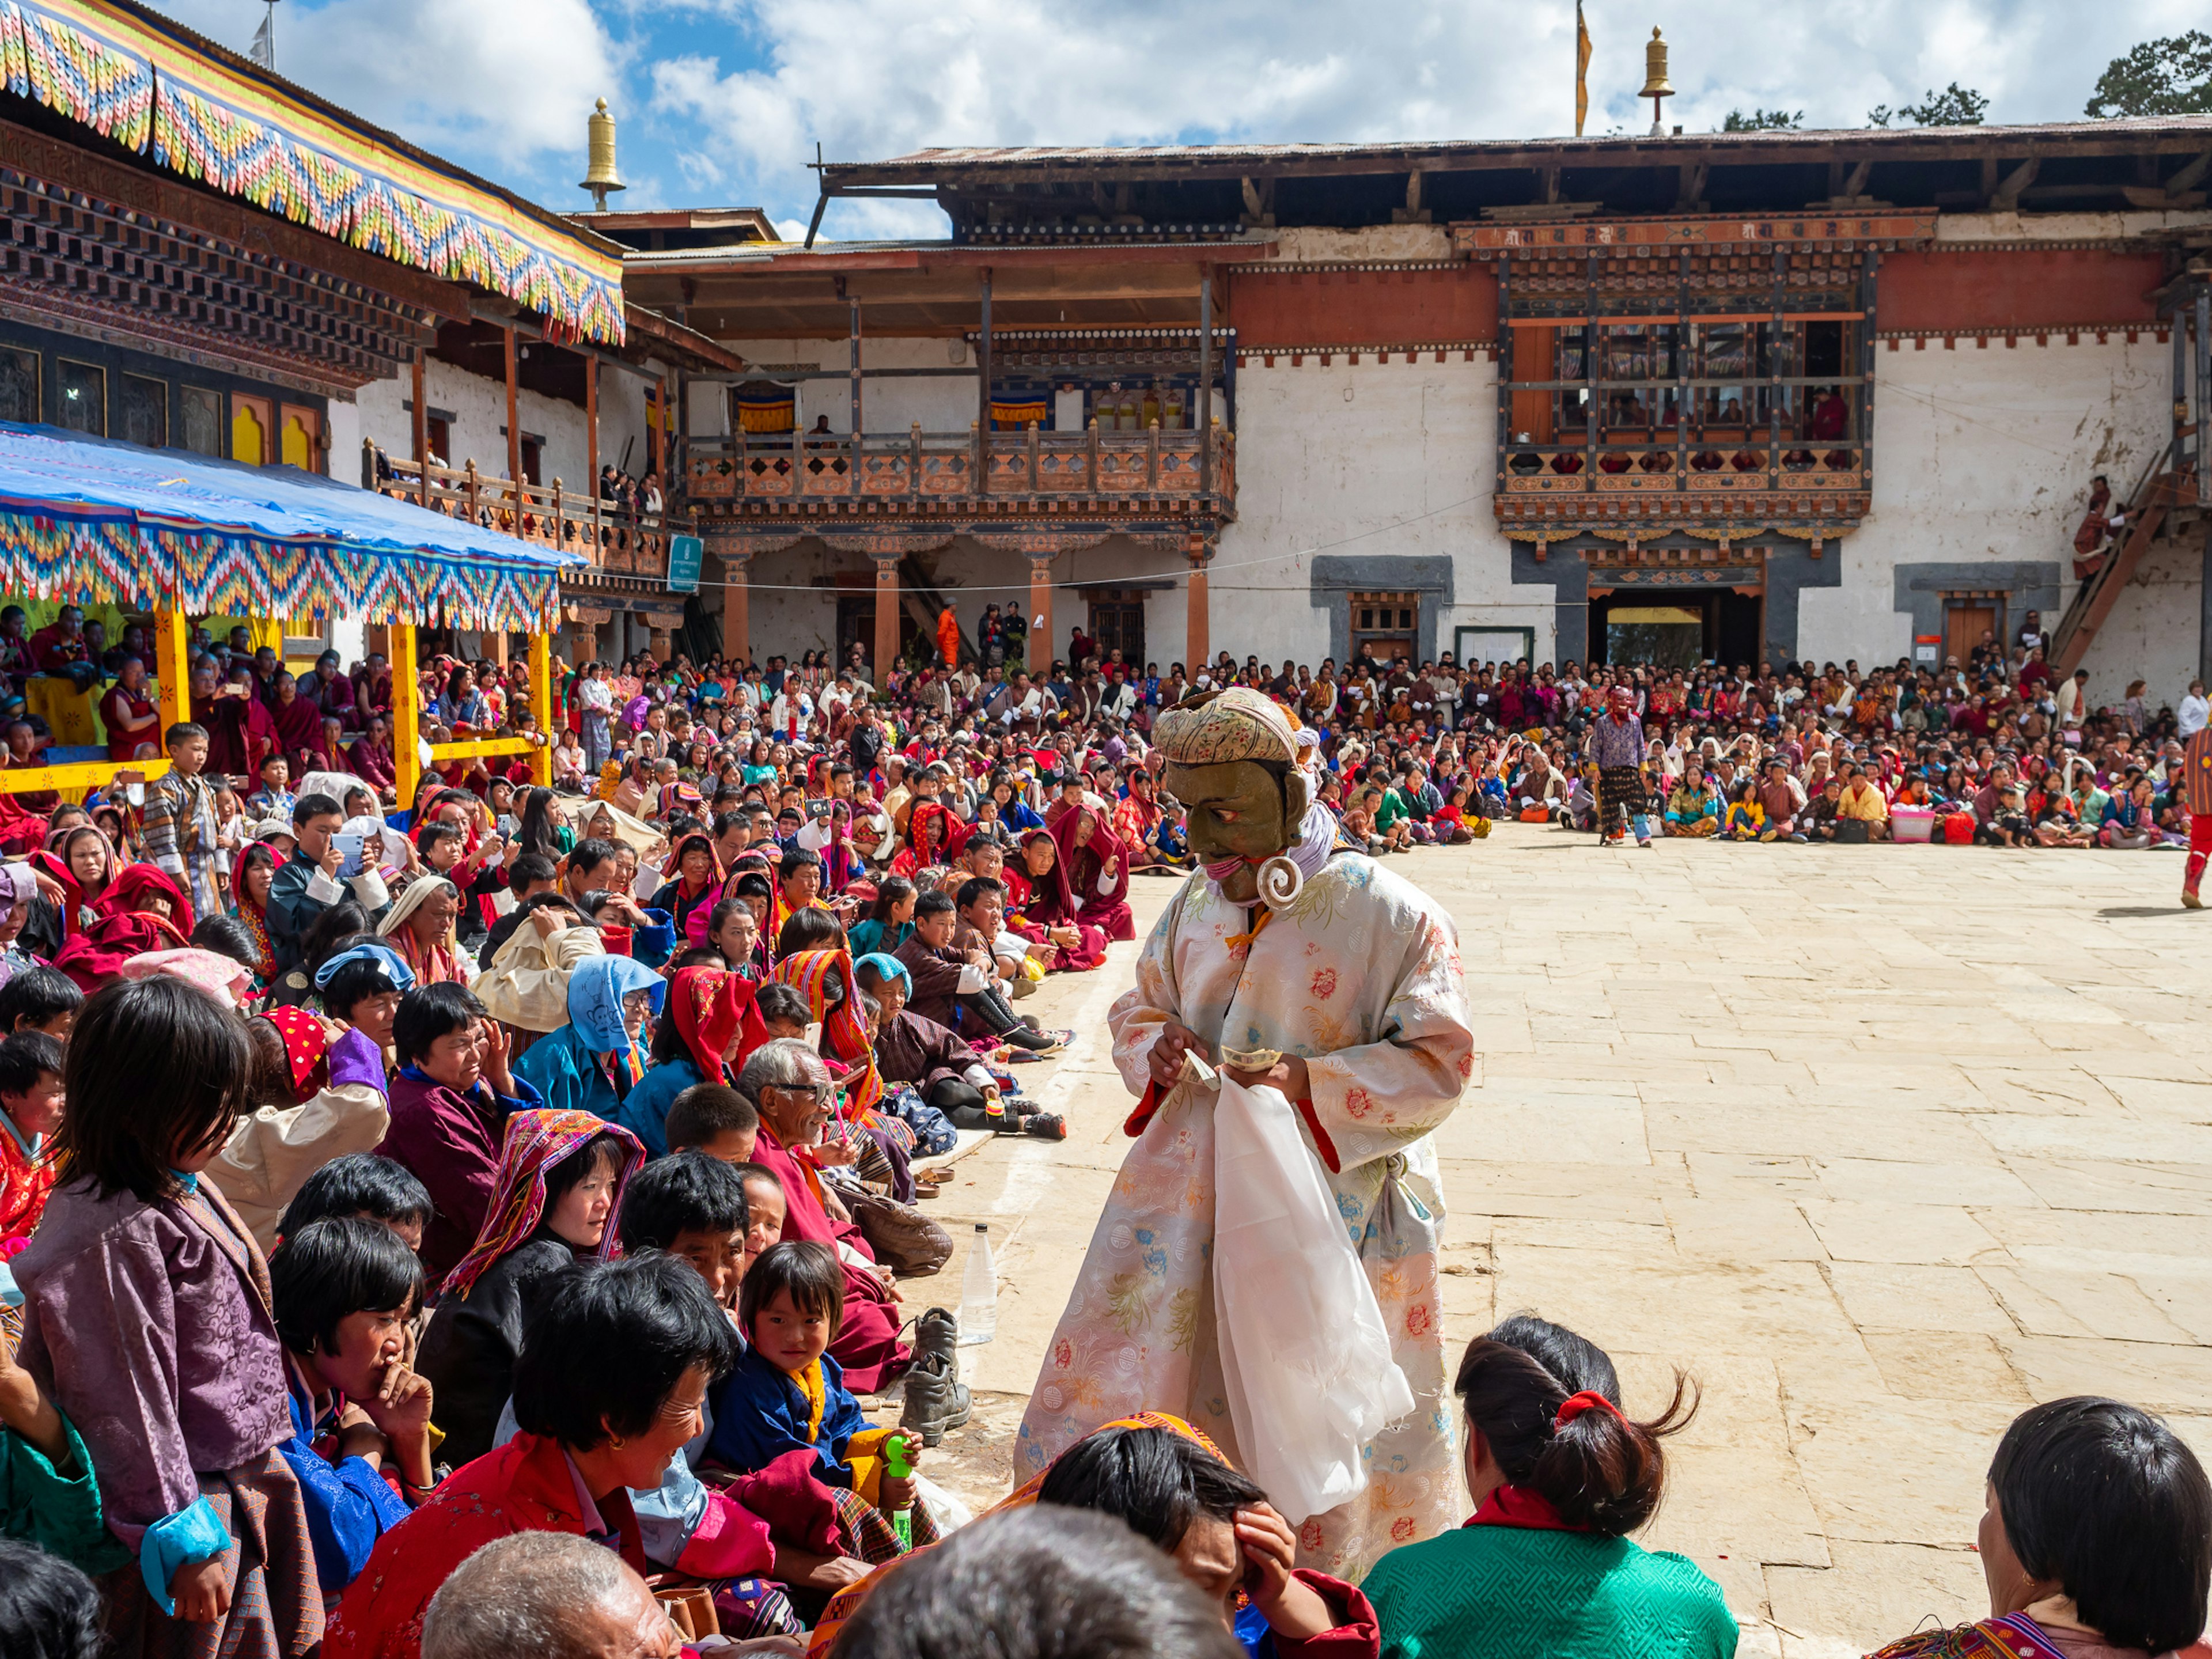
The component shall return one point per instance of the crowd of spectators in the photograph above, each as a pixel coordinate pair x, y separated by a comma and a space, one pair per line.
545, 1163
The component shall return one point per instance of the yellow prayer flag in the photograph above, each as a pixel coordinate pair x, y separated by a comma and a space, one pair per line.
1582, 69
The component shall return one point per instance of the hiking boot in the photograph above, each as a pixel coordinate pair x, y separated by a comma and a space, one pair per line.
937, 1334
934, 1401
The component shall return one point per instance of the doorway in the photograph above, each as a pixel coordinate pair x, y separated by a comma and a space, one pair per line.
1384, 626
1117, 623
1966, 619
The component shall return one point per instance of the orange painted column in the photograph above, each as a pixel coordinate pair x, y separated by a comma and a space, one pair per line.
1040, 613
887, 611
737, 607
1195, 646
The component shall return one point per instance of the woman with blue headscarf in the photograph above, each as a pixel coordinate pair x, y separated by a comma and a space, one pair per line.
591, 1063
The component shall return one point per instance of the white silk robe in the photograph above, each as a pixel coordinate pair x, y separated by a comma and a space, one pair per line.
1360, 977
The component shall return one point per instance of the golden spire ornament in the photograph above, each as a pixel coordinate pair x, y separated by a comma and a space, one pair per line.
1655, 79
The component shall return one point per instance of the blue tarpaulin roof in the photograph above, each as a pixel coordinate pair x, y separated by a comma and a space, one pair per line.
101, 519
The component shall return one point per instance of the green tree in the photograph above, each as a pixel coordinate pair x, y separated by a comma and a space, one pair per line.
1764, 120
1954, 106
2171, 76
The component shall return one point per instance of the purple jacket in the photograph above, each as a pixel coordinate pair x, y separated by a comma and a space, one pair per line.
450, 1142
153, 1340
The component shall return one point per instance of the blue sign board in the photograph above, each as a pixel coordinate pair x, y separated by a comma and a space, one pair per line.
685, 553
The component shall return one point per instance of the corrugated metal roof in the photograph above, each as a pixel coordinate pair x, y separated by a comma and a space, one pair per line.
771, 253
971, 157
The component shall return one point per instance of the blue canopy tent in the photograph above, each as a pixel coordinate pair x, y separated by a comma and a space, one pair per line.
94, 520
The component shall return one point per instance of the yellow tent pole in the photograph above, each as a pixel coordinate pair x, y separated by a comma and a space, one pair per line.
173, 639
406, 723
541, 705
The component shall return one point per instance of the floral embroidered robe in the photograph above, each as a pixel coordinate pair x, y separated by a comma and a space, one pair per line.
1361, 977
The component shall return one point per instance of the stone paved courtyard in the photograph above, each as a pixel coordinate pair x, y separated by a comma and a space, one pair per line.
1880, 1145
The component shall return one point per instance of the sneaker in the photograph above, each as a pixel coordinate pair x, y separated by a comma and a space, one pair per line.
1770, 835
1022, 1039
1802, 840
1045, 1126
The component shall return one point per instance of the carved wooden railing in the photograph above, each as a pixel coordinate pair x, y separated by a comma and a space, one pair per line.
1756, 464
625, 548
952, 469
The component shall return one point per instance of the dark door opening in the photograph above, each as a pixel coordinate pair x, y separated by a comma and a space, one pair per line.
1739, 623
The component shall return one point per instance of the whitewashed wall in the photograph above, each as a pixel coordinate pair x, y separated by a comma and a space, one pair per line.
1986, 455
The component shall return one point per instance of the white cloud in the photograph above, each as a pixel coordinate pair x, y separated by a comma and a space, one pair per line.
874, 78
506, 84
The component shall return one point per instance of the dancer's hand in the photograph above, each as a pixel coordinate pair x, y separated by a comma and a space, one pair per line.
1287, 1074
1175, 1041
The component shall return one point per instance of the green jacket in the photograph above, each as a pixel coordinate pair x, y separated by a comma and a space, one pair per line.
1391, 810
58, 1512
1520, 1593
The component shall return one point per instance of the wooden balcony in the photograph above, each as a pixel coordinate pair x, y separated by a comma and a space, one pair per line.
1143, 481
1705, 479
629, 551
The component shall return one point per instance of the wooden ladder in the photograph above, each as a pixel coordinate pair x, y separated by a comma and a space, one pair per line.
2094, 599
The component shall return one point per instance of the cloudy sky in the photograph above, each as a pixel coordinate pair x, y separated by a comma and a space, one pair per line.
722, 101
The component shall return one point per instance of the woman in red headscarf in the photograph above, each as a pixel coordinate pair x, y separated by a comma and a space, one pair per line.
1041, 906
83, 862
934, 835
1097, 865
254, 869
696, 880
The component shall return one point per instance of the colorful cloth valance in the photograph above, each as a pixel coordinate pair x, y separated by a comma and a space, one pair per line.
157, 88
764, 406
99, 521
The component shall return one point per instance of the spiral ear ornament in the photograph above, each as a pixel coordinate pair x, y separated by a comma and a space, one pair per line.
1281, 882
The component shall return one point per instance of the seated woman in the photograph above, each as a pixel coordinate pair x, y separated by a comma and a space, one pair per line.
1560, 1476
788, 1085
561, 1176
2095, 1542
697, 881
141, 910
344, 1292
787, 1394
711, 1024
1097, 866
1694, 808
591, 1063
1042, 906
318, 1093
420, 926
610, 1385
732, 932
1168, 1484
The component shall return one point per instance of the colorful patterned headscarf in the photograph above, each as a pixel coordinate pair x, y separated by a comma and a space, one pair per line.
844, 1033
535, 1141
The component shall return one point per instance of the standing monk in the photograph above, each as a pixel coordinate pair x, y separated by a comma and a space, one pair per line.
2196, 795
1356, 982
948, 637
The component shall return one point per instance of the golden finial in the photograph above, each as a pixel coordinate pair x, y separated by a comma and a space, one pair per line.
1655, 86
599, 177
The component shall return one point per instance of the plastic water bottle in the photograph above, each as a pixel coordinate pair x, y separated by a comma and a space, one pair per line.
979, 1291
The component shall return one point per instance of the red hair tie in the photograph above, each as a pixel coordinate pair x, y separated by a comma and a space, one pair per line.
1588, 1401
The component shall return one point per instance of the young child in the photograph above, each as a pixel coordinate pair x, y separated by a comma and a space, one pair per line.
714, 1119
147, 1312
30, 1111
787, 1394
40, 999
363, 1185
344, 1291
947, 1073
274, 799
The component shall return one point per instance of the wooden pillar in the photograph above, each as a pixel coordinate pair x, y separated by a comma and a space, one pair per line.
406, 725
1206, 383
421, 436
653, 428
513, 437
1040, 613
172, 657
591, 445
541, 702
737, 607
887, 614
1195, 646
854, 302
